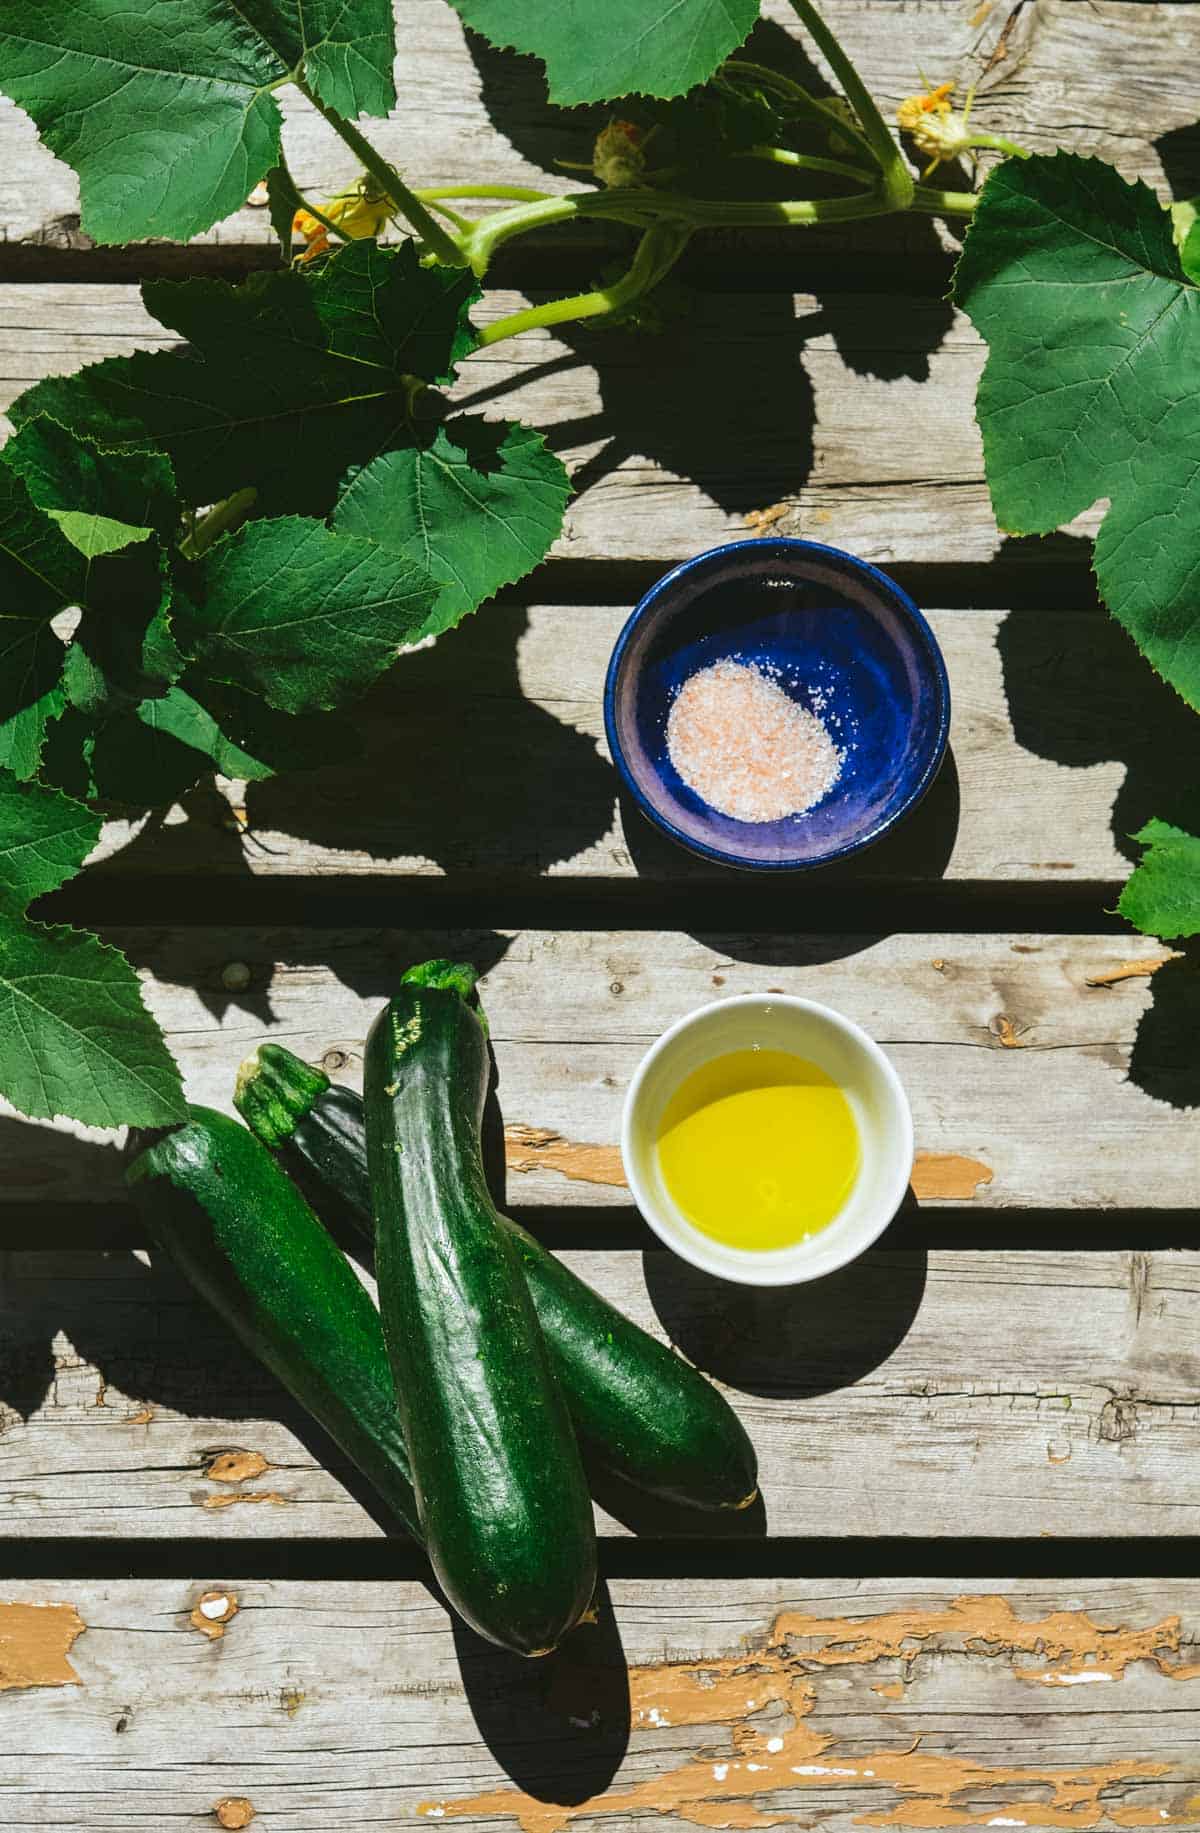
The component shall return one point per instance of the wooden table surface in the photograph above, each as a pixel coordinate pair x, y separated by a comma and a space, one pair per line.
970, 1598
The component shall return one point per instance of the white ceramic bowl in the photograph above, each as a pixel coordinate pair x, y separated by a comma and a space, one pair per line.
774, 1021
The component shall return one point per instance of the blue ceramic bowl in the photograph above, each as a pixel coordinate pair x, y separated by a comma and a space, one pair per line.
825, 624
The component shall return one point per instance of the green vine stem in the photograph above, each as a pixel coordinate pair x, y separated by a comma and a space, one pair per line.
644, 208
808, 162
456, 217
657, 253
897, 179
224, 516
944, 203
499, 226
815, 106
996, 143
390, 183
299, 202
516, 194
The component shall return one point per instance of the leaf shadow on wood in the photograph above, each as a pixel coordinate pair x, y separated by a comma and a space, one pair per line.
1179, 151
719, 395
794, 1342
1166, 1062
917, 851
368, 961
457, 763
1080, 694
558, 1725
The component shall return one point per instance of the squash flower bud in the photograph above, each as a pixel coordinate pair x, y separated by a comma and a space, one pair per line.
618, 157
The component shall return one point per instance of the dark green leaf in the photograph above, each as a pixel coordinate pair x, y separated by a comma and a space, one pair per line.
1090, 386
124, 648
166, 111
133, 758
1162, 895
241, 736
291, 377
102, 501
23, 734
477, 507
283, 201
298, 615
75, 1037
44, 839
40, 574
593, 53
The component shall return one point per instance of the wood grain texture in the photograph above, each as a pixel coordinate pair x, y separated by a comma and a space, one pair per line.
973, 1393
1054, 1094
857, 430
864, 430
730, 1704
1063, 744
467, 112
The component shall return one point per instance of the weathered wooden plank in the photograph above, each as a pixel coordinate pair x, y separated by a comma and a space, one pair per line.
1068, 78
1030, 1087
484, 760
862, 427
977, 1393
733, 1704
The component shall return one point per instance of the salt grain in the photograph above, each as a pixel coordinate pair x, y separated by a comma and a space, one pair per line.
746, 747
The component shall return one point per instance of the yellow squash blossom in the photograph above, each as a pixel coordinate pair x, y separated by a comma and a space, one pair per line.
936, 130
360, 211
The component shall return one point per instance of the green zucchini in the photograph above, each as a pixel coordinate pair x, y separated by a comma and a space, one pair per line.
641, 1411
503, 1500
236, 1226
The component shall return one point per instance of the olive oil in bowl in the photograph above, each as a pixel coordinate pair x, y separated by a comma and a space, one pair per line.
766, 1139
759, 1149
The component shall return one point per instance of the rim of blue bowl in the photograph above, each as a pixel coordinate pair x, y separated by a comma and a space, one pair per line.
788, 544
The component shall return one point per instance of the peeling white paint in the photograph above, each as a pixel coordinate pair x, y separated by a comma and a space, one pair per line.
657, 1716
720, 1771
212, 1608
774, 1744
1075, 1680
1001, 1821
819, 1769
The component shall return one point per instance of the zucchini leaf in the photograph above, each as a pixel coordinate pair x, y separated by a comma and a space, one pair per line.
102, 501
75, 1037
1073, 277
289, 377
478, 505
595, 53
166, 112
300, 616
1162, 894
40, 574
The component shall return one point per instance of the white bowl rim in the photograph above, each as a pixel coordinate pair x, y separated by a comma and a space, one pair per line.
802, 1262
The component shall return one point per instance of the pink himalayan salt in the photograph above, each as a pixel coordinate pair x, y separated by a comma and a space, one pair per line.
746, 747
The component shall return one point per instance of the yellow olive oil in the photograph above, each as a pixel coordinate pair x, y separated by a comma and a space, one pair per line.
758, 1148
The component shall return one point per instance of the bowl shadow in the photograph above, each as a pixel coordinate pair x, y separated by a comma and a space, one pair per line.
793, 1342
